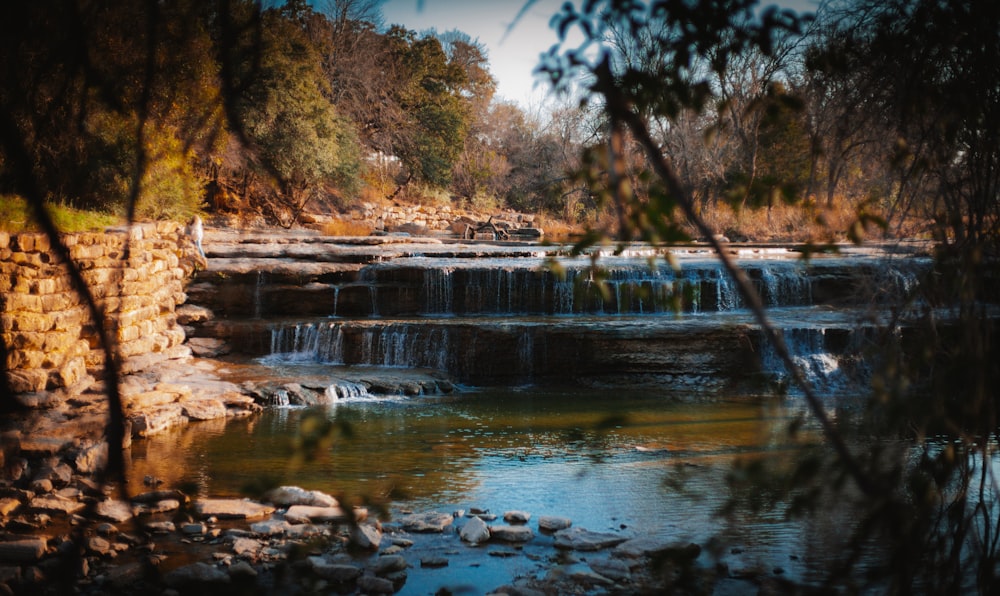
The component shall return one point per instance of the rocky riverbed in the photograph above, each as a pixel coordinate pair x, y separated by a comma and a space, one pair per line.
64, 529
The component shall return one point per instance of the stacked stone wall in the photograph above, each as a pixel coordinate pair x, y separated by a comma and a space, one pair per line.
137, 277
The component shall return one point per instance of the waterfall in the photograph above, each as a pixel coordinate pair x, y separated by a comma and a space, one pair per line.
439, 290
526, 353
280, 398
822, 369
346, 390
258, 291
784, 284
307, 342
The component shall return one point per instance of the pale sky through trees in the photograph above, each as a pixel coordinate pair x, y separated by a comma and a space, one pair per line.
513, 54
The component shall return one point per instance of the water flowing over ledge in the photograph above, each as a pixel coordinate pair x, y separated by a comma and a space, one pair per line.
521, 314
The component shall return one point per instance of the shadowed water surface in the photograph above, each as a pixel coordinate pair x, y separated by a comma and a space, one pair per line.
636, 463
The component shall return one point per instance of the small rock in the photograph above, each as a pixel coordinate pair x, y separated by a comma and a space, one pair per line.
164, 506
512, 533
366, 536
98, 545
196, 574
232, 509
247, 547
286, 496
475, 531
242, 570
159, 495
309, 513
389, 564
338, 573
116, 511
516, 517
549, 523
28, 550
42, 485
55, 504
426, 522
163, 527
8, 506
270, 527
369, 584
585, 540
194, 529
433, 562
612, 569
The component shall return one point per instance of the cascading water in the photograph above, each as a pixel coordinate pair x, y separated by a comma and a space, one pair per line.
346, 390
484, 320
828, 371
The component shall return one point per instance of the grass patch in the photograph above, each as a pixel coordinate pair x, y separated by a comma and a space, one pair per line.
15, 216
342, 227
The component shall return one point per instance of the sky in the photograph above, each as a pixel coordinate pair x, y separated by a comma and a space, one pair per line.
513, 52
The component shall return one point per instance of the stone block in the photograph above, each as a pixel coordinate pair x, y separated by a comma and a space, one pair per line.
37, 322
28, 381
31, 242
25, 359
71, 319
71, 372
59, 301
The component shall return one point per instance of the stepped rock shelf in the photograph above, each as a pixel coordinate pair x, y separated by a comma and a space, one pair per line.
503, 314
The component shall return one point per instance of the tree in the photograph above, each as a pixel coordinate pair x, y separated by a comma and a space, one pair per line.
289, 116
932, 76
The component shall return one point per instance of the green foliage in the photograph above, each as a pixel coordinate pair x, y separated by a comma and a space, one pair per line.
286, 112
16, 217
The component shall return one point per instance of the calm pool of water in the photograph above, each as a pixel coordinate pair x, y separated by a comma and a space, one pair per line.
621, 461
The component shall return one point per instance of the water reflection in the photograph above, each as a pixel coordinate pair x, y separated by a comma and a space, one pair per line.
601, 458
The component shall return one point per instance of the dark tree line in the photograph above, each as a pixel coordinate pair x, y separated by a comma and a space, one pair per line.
163, 109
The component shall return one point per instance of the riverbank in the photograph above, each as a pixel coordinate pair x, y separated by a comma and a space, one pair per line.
64, 529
